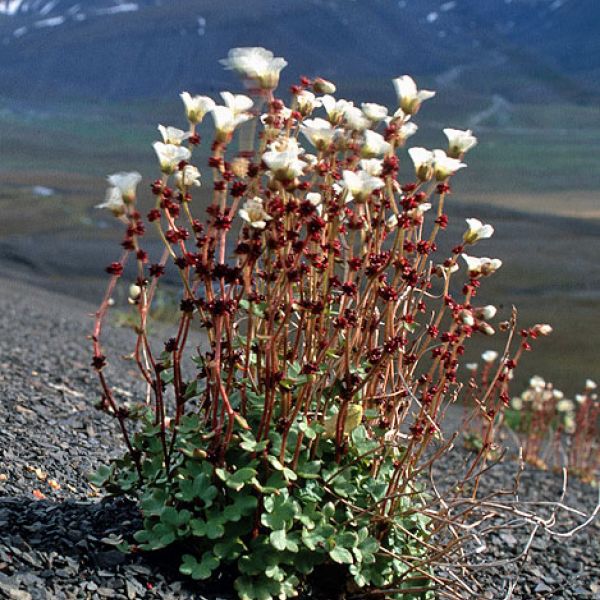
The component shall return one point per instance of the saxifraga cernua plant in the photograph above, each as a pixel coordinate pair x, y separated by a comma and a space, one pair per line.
292, 425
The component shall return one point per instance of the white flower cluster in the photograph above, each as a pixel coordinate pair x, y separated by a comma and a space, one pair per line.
372, 131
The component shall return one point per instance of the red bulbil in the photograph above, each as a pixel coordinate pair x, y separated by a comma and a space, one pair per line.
115, 268
238, 189
156, 187
442, 221
157, 270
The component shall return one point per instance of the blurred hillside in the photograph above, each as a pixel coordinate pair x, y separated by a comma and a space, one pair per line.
85, 82
519, 50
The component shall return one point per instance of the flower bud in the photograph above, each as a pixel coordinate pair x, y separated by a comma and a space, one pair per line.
543, 329
466, 316
486, 312
486, 328
489, 356
322, 86
135, 291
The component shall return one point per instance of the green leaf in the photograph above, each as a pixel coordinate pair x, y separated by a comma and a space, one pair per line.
214, 524
309, 470
341, 555
242, 506
198, 527
346, 539
199, 570
275, 463
200, 488
328, 510
240, 478
152, 504
275, 572
307, 430
257, 588
278, 539
102, 474
289, 474
249, 444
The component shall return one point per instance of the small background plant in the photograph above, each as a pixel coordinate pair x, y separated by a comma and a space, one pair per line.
554, 430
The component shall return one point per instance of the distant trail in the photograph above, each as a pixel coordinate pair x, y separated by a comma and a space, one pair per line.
500, 109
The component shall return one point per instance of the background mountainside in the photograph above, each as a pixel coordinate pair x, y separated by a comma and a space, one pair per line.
520, 50
83, 84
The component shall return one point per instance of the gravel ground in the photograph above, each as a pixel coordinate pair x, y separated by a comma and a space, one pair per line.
52, 526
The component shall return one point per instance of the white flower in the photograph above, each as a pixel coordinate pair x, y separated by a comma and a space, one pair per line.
481, 266
459, 141
516, 403
373, 166
407, 130
423, 162
557, 394
238, 103
537, 382
355, 120
314, 198
169, 156
196, 106
444, 166
188, 177
374, 145
307, 102
172, 135
226, 120
409, 97
391, 222
489, 356
113, 201
565, 405
310, 159
319, 132
285, 164
258, 64
126, 183
399, 115
254, 213
580, 398
442, 270
486, 312
570, 424
360, 185
590, 385
417, 212
471, 366
335, 109
374, 112
477, 231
